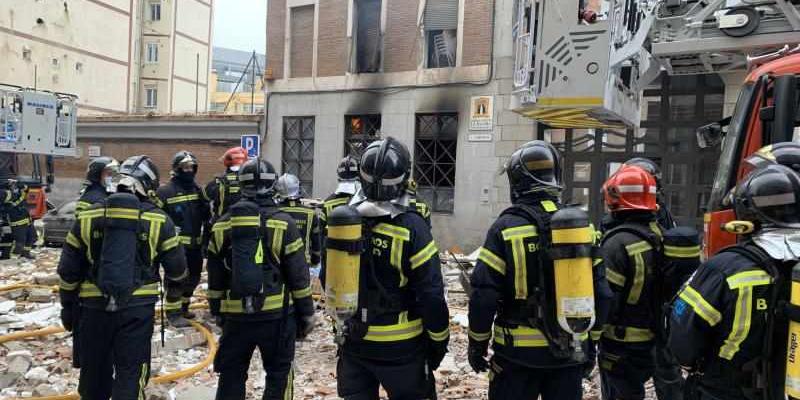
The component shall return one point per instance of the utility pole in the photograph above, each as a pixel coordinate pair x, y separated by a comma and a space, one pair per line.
197, 86
253, 86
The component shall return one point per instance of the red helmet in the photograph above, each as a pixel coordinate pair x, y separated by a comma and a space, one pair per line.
235, 156
630, 188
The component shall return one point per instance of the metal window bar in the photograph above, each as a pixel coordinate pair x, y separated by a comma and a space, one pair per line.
435, 147
298, 150
360, 131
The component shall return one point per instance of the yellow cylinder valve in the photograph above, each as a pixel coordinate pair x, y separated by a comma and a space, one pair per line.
792, 355
342, 265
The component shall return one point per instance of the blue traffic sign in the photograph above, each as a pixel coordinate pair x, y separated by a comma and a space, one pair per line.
252, 143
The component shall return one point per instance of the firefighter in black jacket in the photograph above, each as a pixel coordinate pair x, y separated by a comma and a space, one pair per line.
287, 195
258, 287
19, 218
7, 236
728, 324
109, 268
100, 175
349, 185
223, 191
399, 331
186, 203
507, 282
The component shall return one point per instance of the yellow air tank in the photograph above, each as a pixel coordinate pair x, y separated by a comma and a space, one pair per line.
792, 356
343, 264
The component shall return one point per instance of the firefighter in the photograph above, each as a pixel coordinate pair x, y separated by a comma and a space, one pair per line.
509, 284
259, 287
7, 238
224, 189
20, 219
418, 204
349, 185
399, 333
728, 324
663, 215
100, 177
287, 195
186, 203
109, 271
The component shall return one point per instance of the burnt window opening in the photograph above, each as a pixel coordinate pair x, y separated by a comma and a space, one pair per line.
359, 132
435, 146
368, 40
298, 150
441, 33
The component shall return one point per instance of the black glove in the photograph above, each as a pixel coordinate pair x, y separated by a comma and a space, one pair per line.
67, 316
305, 324
434, 353
476, 355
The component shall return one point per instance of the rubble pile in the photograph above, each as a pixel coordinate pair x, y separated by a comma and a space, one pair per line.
42, 366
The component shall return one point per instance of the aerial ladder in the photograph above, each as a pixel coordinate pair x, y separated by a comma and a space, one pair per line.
584, 63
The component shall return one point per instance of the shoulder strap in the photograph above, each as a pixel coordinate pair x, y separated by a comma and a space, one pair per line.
533, 216
640, 232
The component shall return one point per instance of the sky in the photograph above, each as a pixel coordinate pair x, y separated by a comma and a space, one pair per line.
241, 24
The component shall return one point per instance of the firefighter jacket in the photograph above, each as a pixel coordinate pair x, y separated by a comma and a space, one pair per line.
308, 224
18, 207
94, 193
158, 244
505, 283
333, 201
285, 244
187, 206
401, 293
422, 209
631, 263
222, 192
719, 324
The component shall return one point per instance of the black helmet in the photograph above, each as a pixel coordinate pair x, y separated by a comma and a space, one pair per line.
139, 174
769, 196
533, 167
256, 178
348, 169
184, 165
648, 165
784, 153
94, 171
385, 168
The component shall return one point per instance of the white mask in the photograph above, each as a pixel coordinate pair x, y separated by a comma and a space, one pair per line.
780, 244
110, 184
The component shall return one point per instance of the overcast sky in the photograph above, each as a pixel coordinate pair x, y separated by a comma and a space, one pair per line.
241, 24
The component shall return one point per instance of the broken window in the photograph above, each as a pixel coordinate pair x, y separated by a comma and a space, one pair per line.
435, 145
152, 53
155, 11
368, 41
441, 33
359, 132
151, 97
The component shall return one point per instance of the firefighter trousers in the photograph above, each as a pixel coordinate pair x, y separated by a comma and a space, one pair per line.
359, 378
624, 369
512, 381
115, 353
274, 340
194, 264
668, 377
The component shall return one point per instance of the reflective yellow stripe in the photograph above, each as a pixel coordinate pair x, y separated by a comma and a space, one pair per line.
424, 255
172, 305
638, 279
294, 246
277, 242
288, 393
656, 229
154, 237
549, 206
183, 199
86, 233
742, 317
277, 224
439, 336
170, 243
481, 337
215, 294
393, 231
234, 306
615, 277
73, 241
91, 290
492, 260
122, 213
299, 294
638, 247
700, 306
522, 336
64, 285
632, 335
143, 381
218, 232
82, 205
395, 332
246, 221
519, 232
154, 217
595, 335
89, 214
749, 278
21, 222
682, 251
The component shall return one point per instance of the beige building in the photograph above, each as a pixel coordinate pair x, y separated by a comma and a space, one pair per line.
118, 56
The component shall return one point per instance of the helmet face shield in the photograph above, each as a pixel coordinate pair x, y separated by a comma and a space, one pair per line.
257, 179
138, 174
385, 169
534, 167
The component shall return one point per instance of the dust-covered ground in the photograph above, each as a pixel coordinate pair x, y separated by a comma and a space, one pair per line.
41, 366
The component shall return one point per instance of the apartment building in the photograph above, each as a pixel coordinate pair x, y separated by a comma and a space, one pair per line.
118, 56
435, 74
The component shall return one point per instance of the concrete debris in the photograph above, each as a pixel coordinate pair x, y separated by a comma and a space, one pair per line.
37, 374
45, 389
19, 361
44, 278
7, 306
40, 295
8, 378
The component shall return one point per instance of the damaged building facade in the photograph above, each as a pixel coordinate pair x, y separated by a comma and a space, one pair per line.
435, 74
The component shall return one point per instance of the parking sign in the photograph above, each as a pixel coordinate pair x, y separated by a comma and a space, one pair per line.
252, 143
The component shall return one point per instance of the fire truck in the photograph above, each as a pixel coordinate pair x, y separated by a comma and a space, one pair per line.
39, 124
584, 64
